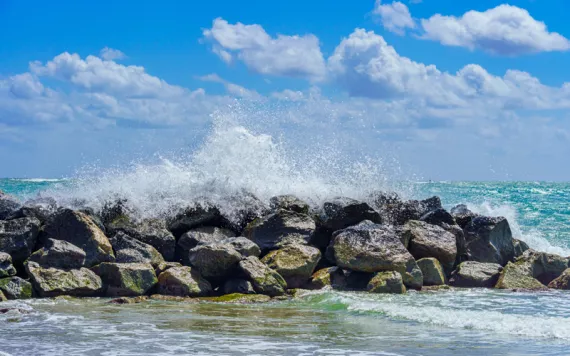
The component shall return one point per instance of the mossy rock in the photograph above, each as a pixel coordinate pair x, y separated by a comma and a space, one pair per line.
16, 288
51, 282
6, 267
436, 288
387, 282
126, 279
264, 279
517, 276
129, 300
295, 263
237, 298
184, 282
2, 297
172, 298
298, 292
432, 271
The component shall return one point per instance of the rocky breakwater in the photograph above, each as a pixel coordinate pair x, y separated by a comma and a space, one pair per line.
384, 245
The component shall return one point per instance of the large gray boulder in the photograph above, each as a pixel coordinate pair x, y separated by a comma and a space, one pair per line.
153, 232
289, 202
264, 279
341, 212
214, 261
472, 274
281, 228
543, 266
520, 247
372, 248
489, 239
398, 212
126, 279
8, 205
16, 288
6, 267
438, 217
196, 216
183, 282
80, 230
59, 254
51, 282
386, 282
428, 240
200, 236
295, 263
18, 238
130, 250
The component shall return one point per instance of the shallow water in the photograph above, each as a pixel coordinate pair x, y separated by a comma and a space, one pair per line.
463, 322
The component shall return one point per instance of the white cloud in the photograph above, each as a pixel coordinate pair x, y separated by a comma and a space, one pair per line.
232, 88
97, 75
395, 17
111, 54
366, 66
503, 30
292, 56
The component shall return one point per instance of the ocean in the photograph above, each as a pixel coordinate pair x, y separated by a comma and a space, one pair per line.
466, 322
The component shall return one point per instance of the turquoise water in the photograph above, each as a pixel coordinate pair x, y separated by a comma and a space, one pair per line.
466, 322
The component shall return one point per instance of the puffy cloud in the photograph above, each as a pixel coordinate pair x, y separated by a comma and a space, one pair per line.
395, 17
292, 56
95, 74
232, 88
366, 66
111, 54
503, 30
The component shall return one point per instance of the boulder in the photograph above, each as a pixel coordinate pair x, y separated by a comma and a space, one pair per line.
163, 266
126, 279
183, 282
344, 212
39, 212
562, 282
279, 229
457, 231
153, 232
51, 282
517, 276
200, 236
520, 247
196, 216
8, 205
397, 212
374, 248
543, 266
462, 215
264, 279
295, 263
330, 276
428, 240
130, 250
214, 261
59, 254
243, 245
80, 230
18, 238
438, 217
489, 239
432, 271
6, 267
16, 288
238, 285
237, 298
472, 274
289, 202
386, 282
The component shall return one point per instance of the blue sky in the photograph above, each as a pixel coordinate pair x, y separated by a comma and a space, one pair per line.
452, 90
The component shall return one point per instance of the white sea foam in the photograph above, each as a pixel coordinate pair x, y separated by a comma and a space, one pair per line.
231, 160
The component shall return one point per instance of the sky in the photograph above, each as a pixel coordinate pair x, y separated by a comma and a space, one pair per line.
451, 90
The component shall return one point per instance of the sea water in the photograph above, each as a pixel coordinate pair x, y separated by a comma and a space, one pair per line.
233, 161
